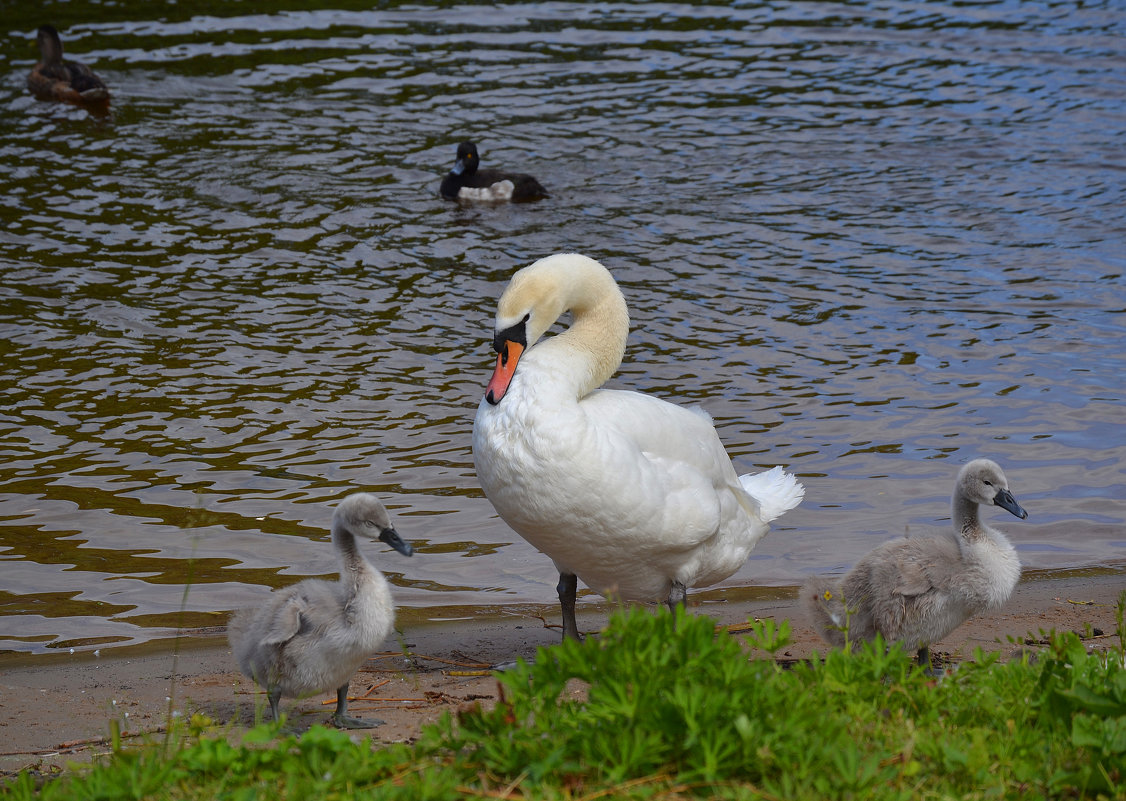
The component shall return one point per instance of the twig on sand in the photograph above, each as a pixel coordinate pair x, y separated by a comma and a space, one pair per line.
105, 739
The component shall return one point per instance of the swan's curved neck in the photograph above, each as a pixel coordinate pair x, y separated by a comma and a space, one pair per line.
353, 566
966, 520
597, 335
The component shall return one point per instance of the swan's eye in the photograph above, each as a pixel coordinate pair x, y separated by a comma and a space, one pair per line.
527, 317
988, 483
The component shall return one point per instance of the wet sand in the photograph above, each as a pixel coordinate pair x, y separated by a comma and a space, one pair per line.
58, 709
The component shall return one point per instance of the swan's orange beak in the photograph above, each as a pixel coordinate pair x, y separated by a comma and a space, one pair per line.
506, 368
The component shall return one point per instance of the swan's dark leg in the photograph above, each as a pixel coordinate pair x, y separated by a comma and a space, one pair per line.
274, 695
340, 718
677, 595
568, 588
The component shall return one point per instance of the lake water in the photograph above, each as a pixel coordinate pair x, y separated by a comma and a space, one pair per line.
874, 240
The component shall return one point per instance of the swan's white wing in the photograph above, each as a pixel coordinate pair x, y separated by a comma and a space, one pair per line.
668, 457
684, 443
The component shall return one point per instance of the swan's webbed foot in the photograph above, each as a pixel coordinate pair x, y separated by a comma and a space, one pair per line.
568, 589
341, 720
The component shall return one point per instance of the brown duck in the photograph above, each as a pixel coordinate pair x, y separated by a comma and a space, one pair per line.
56, 78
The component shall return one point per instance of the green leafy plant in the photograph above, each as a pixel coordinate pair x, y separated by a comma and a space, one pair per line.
663, 705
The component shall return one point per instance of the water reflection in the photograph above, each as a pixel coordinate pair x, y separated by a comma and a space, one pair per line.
873, 240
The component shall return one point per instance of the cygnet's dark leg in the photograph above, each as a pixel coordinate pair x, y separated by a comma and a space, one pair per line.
924, 659
341, 720
274, 696
568, 588
678, 594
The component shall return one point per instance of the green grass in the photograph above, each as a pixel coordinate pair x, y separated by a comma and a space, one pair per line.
670, 709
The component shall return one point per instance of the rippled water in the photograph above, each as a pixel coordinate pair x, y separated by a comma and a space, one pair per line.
874, 240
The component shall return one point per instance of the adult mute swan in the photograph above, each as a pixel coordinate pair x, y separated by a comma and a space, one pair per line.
314, 635
634, 495
917, 590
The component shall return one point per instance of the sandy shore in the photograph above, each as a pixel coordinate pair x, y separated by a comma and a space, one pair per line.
58, 709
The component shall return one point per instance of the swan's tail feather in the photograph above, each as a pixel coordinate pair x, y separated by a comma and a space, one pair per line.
822, 599
775, 490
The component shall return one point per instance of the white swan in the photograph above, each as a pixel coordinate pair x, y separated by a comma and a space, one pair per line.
917, 590
314, 635
634, 495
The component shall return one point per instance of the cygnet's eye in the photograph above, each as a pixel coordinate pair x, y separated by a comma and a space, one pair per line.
988, 483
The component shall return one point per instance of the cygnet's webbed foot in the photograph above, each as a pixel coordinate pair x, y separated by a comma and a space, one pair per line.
348, 722
568, 589
340, 718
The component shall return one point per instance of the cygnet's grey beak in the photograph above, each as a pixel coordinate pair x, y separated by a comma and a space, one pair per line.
392, 538
1006, 501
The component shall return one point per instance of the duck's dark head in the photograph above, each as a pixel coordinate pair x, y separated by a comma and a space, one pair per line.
467, 159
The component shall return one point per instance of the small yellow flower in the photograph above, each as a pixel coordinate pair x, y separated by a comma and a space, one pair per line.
827, 595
